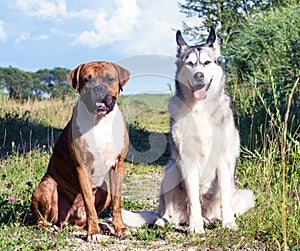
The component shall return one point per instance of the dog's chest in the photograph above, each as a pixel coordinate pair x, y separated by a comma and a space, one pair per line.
197, 132
195, 125
105, 142
109, 139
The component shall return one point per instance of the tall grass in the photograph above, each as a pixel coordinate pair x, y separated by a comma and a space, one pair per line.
281, 150
24, 125
275, 215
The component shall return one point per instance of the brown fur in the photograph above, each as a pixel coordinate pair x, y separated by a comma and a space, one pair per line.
65, 193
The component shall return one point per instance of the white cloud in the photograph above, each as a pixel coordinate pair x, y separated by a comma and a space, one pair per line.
158, 26
53, 32
43, 9
85, 14
22, 37
41, 37
112, 27
135, 27
131, 27
2, 31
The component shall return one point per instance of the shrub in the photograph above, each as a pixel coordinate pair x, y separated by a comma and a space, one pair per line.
262, 66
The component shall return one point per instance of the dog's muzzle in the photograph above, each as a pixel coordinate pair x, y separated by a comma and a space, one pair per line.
106, 105
98, 99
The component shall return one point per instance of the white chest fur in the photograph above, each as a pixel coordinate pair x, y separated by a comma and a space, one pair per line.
104, 138
193, 132
200, 137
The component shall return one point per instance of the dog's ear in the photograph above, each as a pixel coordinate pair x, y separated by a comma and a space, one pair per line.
73, 77
123, 75
213, 43
182, 45
180, 41
211, 37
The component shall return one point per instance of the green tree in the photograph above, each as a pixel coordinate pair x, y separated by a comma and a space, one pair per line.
18, 83
59, 85
226, 16
42, 83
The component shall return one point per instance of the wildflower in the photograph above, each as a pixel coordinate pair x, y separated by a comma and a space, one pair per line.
237, 182
12, 199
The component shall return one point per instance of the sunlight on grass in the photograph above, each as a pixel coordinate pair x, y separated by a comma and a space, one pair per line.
21, 169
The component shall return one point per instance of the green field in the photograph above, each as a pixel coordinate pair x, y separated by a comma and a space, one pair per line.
28, 130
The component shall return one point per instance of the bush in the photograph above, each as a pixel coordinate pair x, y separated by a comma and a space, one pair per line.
262, 66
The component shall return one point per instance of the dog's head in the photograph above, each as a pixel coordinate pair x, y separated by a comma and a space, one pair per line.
199, 65
99, 85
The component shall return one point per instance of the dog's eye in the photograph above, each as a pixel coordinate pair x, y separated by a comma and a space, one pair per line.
207, 62
190, 63
110, 79
87, 78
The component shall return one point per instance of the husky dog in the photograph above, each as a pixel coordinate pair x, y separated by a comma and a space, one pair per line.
198, 182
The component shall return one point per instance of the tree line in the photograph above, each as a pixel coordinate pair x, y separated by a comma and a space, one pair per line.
261, 50
43, 83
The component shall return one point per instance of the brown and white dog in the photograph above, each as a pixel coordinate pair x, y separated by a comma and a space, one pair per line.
94, 143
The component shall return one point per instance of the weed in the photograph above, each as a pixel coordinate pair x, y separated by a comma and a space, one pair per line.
148, 233
25, 159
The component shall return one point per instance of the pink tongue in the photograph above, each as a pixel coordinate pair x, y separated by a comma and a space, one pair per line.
200, 94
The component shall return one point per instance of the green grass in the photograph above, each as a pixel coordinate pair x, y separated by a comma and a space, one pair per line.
25, 152
149, 111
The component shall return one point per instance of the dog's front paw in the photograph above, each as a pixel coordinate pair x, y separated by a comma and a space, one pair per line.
198, 229
230, 225
196, 224
122, 231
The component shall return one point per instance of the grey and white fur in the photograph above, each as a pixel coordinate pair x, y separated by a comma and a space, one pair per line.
198, 183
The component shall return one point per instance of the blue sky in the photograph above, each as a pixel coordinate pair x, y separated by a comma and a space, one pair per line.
137, 34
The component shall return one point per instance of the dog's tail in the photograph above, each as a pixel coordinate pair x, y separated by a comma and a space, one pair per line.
138, 218
243, 200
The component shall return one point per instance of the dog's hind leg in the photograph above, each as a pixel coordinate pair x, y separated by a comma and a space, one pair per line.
75, 212
173, 207
44, 204
172, 199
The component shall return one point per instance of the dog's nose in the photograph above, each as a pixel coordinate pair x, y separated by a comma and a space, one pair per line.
101, 89
198, 76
